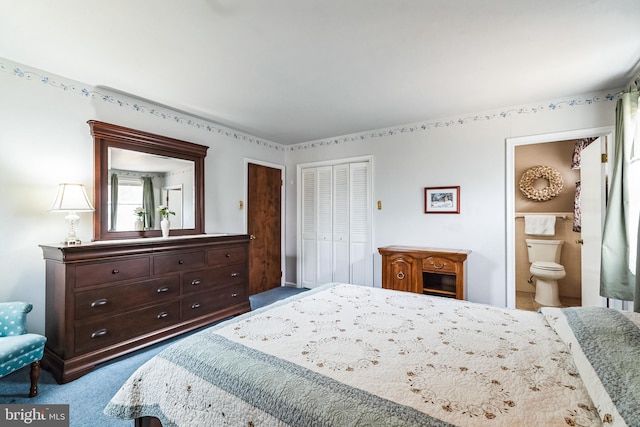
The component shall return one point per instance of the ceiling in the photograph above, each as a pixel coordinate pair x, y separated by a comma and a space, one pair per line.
293, 71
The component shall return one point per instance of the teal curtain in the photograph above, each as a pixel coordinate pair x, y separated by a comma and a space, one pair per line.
148, 202
616, 279
114, 202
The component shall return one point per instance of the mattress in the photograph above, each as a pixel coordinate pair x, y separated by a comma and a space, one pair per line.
347, 355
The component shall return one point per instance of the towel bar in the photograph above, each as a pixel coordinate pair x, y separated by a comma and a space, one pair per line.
557, 216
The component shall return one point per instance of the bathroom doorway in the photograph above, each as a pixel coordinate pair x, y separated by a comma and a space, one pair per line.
580, 254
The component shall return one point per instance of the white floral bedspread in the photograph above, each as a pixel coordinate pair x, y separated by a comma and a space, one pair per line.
345, 355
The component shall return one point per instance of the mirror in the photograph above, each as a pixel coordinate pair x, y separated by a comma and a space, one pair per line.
139, 182
135, 173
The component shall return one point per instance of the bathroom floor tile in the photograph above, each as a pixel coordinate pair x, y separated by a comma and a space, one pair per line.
526, 301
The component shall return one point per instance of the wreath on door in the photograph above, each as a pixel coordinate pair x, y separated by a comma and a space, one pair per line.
550, 174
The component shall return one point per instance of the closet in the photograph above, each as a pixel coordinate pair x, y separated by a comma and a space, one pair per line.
335, 224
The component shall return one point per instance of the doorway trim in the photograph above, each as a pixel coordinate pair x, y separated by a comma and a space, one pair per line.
511, 144
247, 161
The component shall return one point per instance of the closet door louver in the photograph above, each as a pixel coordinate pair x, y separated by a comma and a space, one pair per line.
336, 225
308, 252
325, 225
341, 240
360, 224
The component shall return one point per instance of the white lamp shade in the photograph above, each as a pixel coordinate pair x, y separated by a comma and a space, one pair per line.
71, 198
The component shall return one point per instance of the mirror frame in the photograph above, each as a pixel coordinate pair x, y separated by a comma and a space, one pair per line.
107, 135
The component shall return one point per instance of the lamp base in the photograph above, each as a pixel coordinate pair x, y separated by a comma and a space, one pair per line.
73, 220
71, 241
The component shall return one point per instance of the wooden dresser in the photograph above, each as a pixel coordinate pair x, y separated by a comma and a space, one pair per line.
423, 270
105, 299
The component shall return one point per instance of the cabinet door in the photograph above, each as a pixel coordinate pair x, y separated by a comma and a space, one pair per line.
401, 273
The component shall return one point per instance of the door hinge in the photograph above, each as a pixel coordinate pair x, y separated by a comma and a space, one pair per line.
280, 273
604, 158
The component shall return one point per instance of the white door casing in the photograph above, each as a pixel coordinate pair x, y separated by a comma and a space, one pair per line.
511, 143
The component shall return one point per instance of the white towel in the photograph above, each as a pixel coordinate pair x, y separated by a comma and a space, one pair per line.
540, 225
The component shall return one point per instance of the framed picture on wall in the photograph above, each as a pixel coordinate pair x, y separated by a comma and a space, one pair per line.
442, 200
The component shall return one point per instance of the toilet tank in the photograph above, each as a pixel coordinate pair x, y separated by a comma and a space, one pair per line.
544, 250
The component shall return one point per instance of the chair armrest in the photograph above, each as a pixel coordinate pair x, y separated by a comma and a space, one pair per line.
13, 318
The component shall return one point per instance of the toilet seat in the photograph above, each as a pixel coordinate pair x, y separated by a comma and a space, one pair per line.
547, 266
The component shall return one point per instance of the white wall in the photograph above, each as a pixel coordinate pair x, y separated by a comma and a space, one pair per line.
44, 140
468, 151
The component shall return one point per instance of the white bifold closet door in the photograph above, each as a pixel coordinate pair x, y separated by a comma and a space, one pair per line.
336, 225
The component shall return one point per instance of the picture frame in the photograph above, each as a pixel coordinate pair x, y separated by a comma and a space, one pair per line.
442, 200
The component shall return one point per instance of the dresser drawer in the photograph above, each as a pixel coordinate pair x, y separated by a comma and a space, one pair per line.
438, 264
110, 271
111, 330
178, 262
219, 257
196, 305
198, 281
111, 299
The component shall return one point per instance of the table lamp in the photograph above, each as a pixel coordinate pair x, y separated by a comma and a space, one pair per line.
71, 198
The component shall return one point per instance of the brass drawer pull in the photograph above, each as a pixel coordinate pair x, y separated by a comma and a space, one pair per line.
228, 255
181, 262
441, 265
164, 289
99, 333
234, 295
400, 275
195, 305
162, 315
115, 271
99, 302
234, 274
195, 282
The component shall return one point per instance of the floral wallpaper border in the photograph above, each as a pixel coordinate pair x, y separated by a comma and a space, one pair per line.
21, 71
425, 126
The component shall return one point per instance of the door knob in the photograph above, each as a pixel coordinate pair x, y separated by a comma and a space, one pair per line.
252, 237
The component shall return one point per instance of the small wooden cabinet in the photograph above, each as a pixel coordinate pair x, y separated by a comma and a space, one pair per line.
105, 299
423, 270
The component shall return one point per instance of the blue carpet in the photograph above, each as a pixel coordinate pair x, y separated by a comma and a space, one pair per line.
88, 395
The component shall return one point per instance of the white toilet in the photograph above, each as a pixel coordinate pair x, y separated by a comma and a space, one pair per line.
544, 256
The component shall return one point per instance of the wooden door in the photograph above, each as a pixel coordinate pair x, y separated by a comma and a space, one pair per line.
264, 225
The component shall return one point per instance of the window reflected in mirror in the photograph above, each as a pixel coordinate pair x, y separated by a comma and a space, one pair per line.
140, 182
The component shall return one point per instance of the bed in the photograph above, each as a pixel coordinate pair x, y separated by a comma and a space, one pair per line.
347, 355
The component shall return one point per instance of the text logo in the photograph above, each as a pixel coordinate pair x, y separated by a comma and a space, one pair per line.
34, 415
